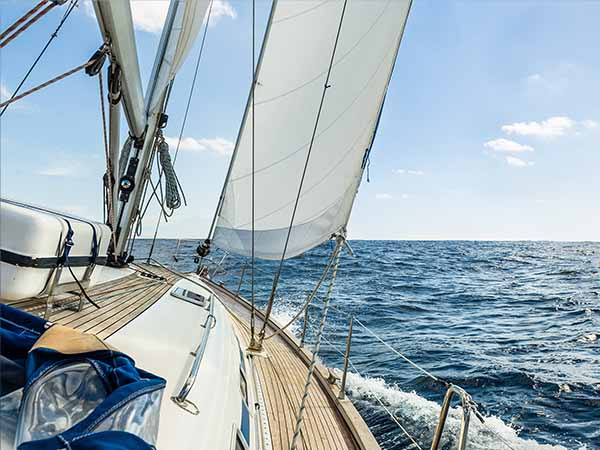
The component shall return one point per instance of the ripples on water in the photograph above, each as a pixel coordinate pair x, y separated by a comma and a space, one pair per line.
517, 324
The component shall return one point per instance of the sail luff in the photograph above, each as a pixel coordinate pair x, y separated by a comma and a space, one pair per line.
116, 25
289, 87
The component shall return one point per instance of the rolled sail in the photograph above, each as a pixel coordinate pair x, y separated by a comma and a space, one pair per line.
182, 25
291, 75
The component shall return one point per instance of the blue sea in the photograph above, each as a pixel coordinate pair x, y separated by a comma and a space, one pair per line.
516, 324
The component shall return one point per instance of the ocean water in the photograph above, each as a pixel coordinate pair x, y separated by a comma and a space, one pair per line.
517, 324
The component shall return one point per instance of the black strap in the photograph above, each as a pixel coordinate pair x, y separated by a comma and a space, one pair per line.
64, 260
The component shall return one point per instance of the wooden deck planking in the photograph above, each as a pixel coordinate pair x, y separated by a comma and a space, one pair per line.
282, 375
120, 301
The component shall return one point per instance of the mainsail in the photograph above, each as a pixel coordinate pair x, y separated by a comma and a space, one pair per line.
302, 36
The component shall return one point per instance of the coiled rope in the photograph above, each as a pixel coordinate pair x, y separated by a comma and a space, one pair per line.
172, 195
313, 360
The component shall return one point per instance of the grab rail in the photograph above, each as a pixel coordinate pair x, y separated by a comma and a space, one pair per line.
181, 398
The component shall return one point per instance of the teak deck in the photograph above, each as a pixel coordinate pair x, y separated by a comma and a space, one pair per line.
120, 302
329, 423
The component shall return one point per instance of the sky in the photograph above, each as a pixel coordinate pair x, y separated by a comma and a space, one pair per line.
491, 127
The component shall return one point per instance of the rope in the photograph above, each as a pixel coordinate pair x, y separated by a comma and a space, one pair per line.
47, 83
39, 57
416, 366
172, 196
6, 38
312, 140
309, 299
252, 250
313, 360
183, 123
110, 185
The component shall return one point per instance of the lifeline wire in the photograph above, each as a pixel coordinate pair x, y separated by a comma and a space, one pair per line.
313, 360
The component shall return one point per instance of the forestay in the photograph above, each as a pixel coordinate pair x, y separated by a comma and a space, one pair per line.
291, 74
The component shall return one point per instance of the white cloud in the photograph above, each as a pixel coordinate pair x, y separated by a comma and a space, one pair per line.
517, 162
150, 15
383, 196
5, 93
217, 145
405, 196
549, 128
535, 78
409, 172
221, 8
589, 124
506, 145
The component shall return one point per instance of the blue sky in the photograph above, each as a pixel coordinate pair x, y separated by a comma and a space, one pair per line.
491, 128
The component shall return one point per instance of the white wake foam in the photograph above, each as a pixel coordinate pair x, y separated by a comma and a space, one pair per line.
283, 311
421, 414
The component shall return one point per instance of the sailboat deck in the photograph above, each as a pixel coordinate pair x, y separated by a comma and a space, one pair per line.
120, 301
329, 423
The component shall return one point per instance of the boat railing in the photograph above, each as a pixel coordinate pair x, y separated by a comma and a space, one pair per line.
468, 406
181, 398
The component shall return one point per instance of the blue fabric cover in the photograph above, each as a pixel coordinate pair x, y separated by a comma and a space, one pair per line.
123, 382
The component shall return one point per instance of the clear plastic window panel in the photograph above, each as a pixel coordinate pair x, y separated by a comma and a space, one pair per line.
58, 400
139, 416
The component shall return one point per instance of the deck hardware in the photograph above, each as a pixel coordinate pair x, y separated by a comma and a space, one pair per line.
186, 405
237, 293
331, 378
467, 405
210, 319
181, 398
346, 359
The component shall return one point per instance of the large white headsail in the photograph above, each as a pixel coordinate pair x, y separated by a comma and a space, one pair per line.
290, 77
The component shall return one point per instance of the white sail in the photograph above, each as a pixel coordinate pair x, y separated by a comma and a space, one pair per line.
291, 75
183, 22
182, 25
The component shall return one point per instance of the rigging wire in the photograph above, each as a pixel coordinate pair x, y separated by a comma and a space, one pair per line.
252, 256
424, 371
313, 360
184, 121
25, 22
54, 34
312, 140
109, 169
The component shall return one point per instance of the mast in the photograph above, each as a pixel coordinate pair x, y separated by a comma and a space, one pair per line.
116, 25
182, 25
